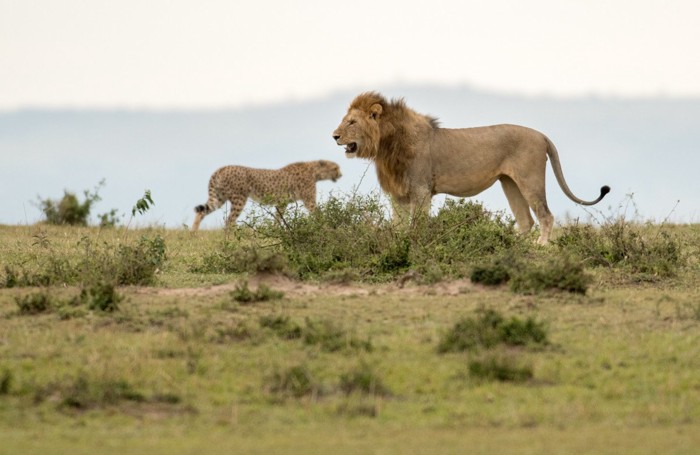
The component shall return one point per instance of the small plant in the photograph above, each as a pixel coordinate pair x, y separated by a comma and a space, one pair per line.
39, 302
243, 294
143, 205
560, 273
296, 382
231, 257
331, 337
241, 331
363, 379
500, 366
109, 219
491, 329
68, 210
138, 264
83, 392
101, 296
5, 381
490, 275
644, 249
282, 326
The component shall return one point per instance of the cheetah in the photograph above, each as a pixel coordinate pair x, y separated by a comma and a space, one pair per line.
276, 187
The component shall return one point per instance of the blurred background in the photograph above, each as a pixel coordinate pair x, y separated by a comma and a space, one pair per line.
158, 94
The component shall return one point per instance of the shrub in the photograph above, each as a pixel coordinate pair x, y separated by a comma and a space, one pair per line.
101, 296
243, 294
338, 235
363, 379
68, 210
500, 366
296, 382
624, 244
332, 337
282, 326
559, 273
86, 393
231, 257
490, 329
353, 235
123, 264
40, 302
463, 233
491, 274
5, 381
137, 264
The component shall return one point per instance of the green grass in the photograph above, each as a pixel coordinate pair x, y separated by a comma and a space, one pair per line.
176, 365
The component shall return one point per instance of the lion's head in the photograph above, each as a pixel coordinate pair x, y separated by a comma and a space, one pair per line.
384, 132
327, 170
360, 131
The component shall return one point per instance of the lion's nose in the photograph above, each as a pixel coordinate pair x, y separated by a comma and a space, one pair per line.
336, 137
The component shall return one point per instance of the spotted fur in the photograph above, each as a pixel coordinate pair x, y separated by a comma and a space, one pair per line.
275, 187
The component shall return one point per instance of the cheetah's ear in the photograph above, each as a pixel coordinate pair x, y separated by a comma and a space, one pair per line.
375, 111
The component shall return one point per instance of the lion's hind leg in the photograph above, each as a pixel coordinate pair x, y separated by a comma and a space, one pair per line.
518, 205
522, 197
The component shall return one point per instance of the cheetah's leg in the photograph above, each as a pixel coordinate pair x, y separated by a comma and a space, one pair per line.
237, 204
212, 204
309, 199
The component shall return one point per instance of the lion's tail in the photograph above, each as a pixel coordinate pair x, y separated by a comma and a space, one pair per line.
556, 166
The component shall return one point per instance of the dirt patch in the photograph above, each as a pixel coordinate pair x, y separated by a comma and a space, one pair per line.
294, 288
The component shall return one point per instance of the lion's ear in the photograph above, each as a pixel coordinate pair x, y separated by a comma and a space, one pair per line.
375, 110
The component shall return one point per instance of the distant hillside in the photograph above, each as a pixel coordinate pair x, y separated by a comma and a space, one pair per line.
647, 147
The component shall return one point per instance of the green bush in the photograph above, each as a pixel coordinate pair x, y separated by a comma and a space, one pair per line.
500, 366
558, 273
295, 382
332, 337
491, 329
243, 294
101, 296
363, 379
69, 210
620, 243
352, 236
122, 264
6, 381
283, 326
232, 257
85, 393
40, 302
338, 235
491, 274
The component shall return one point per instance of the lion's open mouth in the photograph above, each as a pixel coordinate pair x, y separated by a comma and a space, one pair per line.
351, 147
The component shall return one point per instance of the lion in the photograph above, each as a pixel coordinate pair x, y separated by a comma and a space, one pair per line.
416, 159
277, 187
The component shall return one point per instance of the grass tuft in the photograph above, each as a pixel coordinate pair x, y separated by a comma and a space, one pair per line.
295, 382
491, 329
500, 366
264, 293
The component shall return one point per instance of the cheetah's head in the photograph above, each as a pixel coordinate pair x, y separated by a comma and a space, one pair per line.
327, 170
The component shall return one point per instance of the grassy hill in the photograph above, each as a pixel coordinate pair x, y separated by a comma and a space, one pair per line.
342, 334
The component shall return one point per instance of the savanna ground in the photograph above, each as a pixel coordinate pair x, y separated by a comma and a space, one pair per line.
338, 333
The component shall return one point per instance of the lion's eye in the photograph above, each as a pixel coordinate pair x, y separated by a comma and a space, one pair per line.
351, 122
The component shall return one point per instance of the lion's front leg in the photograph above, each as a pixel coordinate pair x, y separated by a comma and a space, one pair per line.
401, 213
420, 206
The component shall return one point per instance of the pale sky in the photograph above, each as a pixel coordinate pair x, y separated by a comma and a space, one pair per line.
228, 53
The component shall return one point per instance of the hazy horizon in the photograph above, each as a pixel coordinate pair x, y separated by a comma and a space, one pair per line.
632, 145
